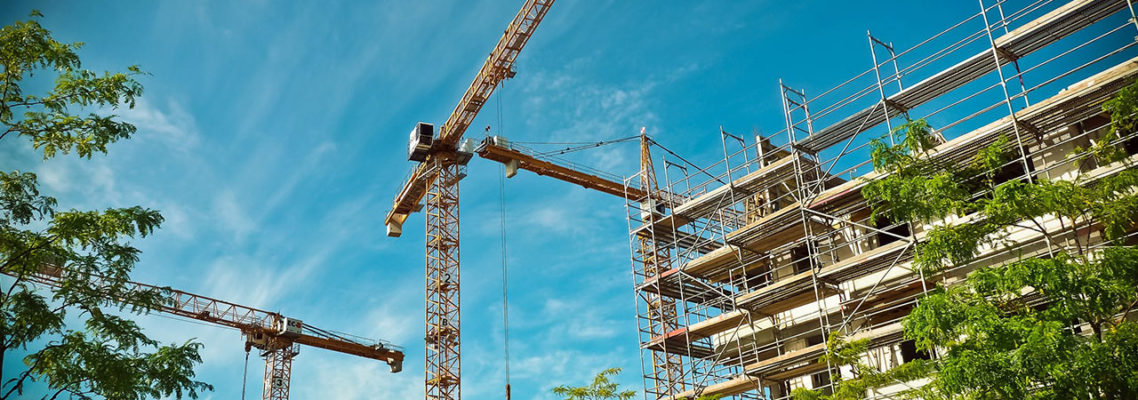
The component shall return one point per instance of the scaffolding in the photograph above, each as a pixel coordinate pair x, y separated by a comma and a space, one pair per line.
746, 265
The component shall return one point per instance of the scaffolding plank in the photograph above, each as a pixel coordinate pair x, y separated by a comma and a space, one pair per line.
1071, 105
807, 354
783, 295
725, 264
758, 237
747, 185
864, 263
804, 361
842, 196
682, 341
676, 342
1060, 22
789, 365
1024, 40
661, 226
782, 226
707, 264
717, 324
671, 283
737, 385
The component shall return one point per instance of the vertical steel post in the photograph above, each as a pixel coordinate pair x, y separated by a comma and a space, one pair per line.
1133, 16
1007, 97
880, 87
652, 259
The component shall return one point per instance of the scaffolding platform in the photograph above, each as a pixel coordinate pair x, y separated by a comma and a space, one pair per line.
791, 364
785, 294
736, 190
1024, 40
887, 304
1075, 103
772, 231
738, 385
716, 265
661, 228
677, 340
681, 342
805, 361
843, 197
776, 368
867, 262
686, 240
671, 283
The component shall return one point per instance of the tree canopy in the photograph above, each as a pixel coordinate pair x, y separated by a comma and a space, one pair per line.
88, 252
601, 388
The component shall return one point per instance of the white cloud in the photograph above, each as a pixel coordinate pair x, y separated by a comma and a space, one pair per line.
174, 126
81, 183
256, 281
232, 216
321, 376
302, 171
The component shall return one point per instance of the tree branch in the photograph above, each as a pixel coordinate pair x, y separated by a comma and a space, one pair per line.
1126, 313
10, 130
24, 375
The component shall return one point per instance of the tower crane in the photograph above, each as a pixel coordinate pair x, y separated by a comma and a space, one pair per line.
441, 164
278, 337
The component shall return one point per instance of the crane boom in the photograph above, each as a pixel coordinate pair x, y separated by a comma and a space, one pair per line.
498, 66
247, 319
498, 149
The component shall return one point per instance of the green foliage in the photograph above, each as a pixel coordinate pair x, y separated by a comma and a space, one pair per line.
48, 120
996, 343
1057, 326
601, 388
1123, 109
866, 376
88, 253
912, 186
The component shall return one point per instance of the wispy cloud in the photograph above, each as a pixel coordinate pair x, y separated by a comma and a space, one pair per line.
172, 125
232, 216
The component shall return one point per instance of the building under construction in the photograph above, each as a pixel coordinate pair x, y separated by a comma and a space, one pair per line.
742, 268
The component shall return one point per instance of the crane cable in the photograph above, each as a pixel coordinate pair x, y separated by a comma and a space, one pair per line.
245, 375
502, 220
589, 145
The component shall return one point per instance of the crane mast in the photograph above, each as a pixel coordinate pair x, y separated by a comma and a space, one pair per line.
434, 184
278, 337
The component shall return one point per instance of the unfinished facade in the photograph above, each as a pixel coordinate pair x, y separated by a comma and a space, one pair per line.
745, 266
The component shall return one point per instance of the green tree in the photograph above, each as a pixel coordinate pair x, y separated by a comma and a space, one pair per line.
1056, 326
87, 252
603, 388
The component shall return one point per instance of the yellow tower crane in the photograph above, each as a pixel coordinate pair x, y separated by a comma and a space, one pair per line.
278, 337
441, 164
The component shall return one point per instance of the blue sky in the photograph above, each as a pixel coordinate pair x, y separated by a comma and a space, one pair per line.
272, 138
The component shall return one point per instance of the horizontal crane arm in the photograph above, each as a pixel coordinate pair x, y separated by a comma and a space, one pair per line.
504, 153
244, 318
393, 357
